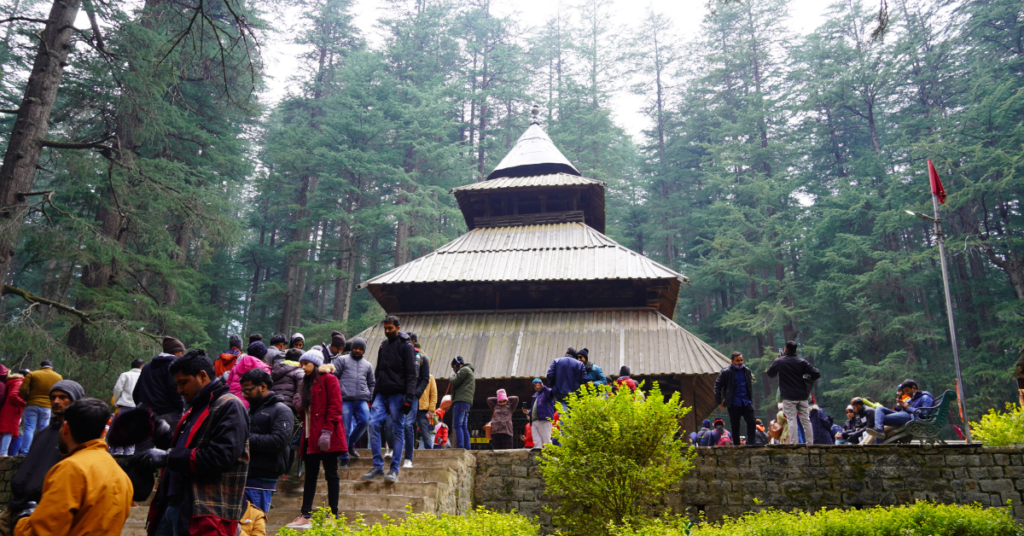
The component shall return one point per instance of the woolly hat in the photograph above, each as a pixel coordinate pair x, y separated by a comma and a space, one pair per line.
850, 409
440, 414
359, 342
458, 361
502, 395
719, 421
624, 371
538, 380
585, 353
70, 387
706, 423
3, 371
314, 356
46, 364
235, 342
172, 345
337, 339
257, 349
297, 337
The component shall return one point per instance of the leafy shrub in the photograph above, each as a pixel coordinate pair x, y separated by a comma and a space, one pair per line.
922, 518
998, 429
480, 522
618, 454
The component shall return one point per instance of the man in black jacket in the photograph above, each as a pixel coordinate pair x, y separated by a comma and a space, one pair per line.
394, 396
27, 485
734, 390
792, 372
155, 390
270, 434
422, 380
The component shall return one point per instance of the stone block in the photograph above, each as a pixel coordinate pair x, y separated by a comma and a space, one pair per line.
1013, 472
997, 485
520, 471
894, 485
978, 472
956, 461
1001, 459
980, 498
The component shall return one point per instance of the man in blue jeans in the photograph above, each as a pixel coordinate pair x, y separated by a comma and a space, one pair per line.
910, 400
463, 384
394, 396
355, 375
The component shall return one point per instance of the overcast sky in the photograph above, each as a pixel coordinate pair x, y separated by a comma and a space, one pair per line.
686, 15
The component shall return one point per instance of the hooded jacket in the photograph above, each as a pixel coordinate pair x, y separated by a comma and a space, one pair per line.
36, 387
14, 406
501, 418
566, 375
244, 364
157, 391
124, 387
85, 493
287, 376
211, 468
324, 413
542, 404
422, 373
274, 355
226, 361
396, 367
428, 400
270, 435
463, 384
355, 376
791, 370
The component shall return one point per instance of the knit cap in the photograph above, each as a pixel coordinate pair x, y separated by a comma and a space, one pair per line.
257, 349
71, 387
172, 345
502, 395
538, 380
298, 337
359, 342
337, 339
314, 356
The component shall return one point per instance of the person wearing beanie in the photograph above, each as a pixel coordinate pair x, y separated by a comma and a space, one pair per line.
155, 389
595, 376
542, 413
204, 461
35, 390
625, 379
276, 350
463, 386
226, 361
566, 374
297, 341
323, 440
251, 359
355, 375
502, 406
27, 484
706, 436
394, 397
337, 343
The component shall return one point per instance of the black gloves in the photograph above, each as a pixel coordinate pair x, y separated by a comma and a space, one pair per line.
161, 433
154, 458
28, 511
407, 405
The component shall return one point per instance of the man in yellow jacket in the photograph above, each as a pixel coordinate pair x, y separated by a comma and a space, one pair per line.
35, 391
86, 492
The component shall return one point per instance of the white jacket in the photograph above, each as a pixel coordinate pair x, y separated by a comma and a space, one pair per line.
124, 387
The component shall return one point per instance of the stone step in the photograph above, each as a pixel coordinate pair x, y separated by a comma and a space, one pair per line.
451, 462
416, 474
420, 453
350, 501
374, 487
277, 519
134, 528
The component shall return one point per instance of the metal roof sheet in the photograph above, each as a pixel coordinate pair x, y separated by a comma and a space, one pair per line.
522, 344
533, 154
536, 181
558, 252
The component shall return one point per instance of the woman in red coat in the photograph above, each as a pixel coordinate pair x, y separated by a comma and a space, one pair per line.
318, 404
10, 413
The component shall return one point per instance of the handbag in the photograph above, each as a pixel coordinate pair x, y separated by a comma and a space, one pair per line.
775, 431
446, 400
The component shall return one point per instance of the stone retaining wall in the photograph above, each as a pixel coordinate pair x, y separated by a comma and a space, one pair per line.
726, 480
8, 466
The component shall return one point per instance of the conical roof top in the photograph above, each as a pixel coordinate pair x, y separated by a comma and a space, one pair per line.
533, 154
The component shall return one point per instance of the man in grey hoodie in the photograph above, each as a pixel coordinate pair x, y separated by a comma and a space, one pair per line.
357, 384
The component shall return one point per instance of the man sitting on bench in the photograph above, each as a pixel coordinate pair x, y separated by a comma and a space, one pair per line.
908, 399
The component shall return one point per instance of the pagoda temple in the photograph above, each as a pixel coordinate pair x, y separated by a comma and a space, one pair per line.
536, 275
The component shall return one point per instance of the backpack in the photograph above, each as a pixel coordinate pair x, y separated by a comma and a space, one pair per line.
725, 440
705, 437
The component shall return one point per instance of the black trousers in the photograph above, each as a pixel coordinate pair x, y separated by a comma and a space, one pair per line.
747, 412
312, 468
501, 441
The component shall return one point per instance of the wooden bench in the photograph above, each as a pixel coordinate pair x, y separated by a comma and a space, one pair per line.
927, 429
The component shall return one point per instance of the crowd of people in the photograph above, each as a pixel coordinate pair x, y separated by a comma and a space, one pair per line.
799, 419
221, 432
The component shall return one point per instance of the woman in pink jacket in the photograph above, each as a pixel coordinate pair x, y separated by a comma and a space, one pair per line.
253, 358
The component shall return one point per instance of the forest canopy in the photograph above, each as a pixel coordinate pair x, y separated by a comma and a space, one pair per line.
148, 190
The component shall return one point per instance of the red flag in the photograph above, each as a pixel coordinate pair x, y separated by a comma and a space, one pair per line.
933, 177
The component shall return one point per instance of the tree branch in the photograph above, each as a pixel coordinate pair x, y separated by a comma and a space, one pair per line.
56, 144
23, 19
32, 298
4, 111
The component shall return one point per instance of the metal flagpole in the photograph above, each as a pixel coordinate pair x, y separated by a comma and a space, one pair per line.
949, 313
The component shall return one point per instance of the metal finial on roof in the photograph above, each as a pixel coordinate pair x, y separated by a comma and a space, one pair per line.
535, 112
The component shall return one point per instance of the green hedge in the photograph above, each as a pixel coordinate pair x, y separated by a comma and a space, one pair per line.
919, 519
477, 523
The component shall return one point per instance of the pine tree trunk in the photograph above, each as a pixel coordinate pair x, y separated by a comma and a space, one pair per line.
17, 175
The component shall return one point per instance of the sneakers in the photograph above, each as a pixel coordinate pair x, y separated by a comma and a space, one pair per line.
876, 432
354, 453
373, 474
300, 522
387, 453
391, 478
407, 464
343, 464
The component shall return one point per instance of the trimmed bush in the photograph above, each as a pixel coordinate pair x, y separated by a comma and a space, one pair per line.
480, 522
619, 452
919, 519
998, 429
